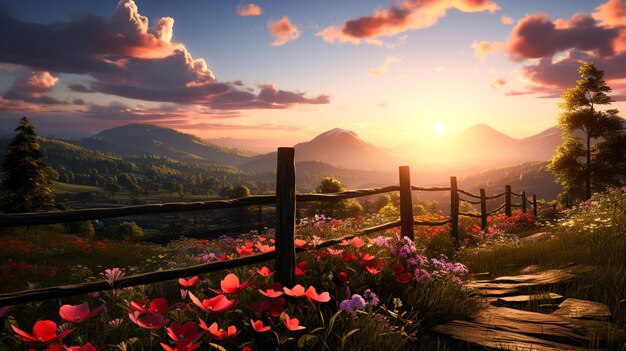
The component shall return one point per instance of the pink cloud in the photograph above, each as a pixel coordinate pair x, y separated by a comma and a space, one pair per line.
283, 31
506, 20
400, 17
251, 9
497, 84
33, 87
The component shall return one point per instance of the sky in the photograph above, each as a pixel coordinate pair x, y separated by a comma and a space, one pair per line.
394, 72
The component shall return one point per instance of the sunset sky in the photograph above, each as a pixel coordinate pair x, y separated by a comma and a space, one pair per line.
287, 70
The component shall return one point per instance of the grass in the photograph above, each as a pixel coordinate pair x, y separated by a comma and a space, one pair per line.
73, 189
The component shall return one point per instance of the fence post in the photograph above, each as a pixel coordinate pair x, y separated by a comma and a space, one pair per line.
534, 205
523, 201
406, 203
454, 210
507, 201
285, 217
483, 209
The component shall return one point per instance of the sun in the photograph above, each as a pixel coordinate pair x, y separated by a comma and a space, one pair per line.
440, 128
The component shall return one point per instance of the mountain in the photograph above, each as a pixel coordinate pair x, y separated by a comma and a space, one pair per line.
247, 146
148, 139
337, 147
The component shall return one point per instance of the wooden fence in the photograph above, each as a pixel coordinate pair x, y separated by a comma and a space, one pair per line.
284, 254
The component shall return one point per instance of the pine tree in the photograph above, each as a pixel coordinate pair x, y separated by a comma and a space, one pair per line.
26, 183
593, 153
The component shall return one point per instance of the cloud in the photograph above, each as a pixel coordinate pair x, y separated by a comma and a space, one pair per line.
33, 87
498, 83
375, 72
283, 31
127, 57
439, 69
251, 9
400, 17
506, 19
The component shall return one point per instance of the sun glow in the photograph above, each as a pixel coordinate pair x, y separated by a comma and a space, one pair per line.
440, 128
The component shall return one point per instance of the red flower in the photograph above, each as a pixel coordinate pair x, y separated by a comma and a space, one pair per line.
44, 332
301, 268
78, 313
217, 333
399, 268
373, 269
186, 332
301, 243
157, 306
151, 321
231, 285
277, 306
296, 291
188, 283
256, 306
258, 326
55, 347
404, 278
292, 323
312, 295
181, 346
264, 248
87, 347
218, 303
224, 257
348, 256
334, 252
342, 276
356, 242
264, 271
271, 293
245, 250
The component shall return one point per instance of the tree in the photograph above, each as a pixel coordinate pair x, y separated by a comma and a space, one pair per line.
335, 208
26, 185
593, 153
112, 188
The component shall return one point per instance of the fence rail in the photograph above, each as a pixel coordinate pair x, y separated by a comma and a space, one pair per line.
284, 254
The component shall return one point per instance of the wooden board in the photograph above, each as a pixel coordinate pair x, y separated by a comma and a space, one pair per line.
519, 299
583, 309
511, 285
511, 329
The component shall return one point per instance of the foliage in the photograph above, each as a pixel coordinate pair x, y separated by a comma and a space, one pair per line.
578, 161
120, 231
338, 208
27, 182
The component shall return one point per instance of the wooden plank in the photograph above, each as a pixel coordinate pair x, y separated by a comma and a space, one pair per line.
510, 285
285, 217
583, 309
519, 299
483, 209
454, 210
507, 201
406, 203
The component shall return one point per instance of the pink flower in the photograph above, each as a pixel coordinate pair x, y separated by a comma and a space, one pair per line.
78, 313
218, 303
312, 295
186, 332
157, 306
292, 323
258, 326
264, 271
216, 333
151, 321
44, 332
231, 284
271, 293
188, 283
296, 291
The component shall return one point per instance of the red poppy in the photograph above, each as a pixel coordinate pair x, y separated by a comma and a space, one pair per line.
264, 271
301, 243
219, 334
271, 293
44, 332
348, 256
231, 285
301, 268
151, 321
366, 257
276, 306
356, 242
78, 313
399, 268
55, 347
373, 269
87, 347
218, 303
292, 324
245, 250
296, 291
188, 283
404, 278
224, 257
261, 238
186, 332
312, 295
264, 248
157, 306
181, 346
342, 276
334, 252
258, 326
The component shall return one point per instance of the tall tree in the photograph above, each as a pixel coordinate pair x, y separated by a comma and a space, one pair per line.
593, 153
27, 182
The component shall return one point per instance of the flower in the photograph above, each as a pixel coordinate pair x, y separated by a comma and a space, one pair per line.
372, 297
355, 302
157, 306
276, 306
342, 276
271, 293
258, 326
312, 295
219, 334
373, 270
187, 332
218, 303
113, 274
181, 346
301, 243
78, 313
188, 283
292, 324
44, 332
296, 291
231, 285
404, 278
264, 272
87, 347
356, 242
301, 268
151, 321
334, 252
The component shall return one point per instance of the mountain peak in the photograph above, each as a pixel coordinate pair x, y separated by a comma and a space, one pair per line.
338, 132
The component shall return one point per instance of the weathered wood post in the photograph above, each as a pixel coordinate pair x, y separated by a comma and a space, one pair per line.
524, 201
535, 205
454, 210
285, 217
507, 201
260, 218
483, 209
406, 203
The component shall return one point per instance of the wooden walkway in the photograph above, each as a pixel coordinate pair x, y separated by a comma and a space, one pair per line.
570, 327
